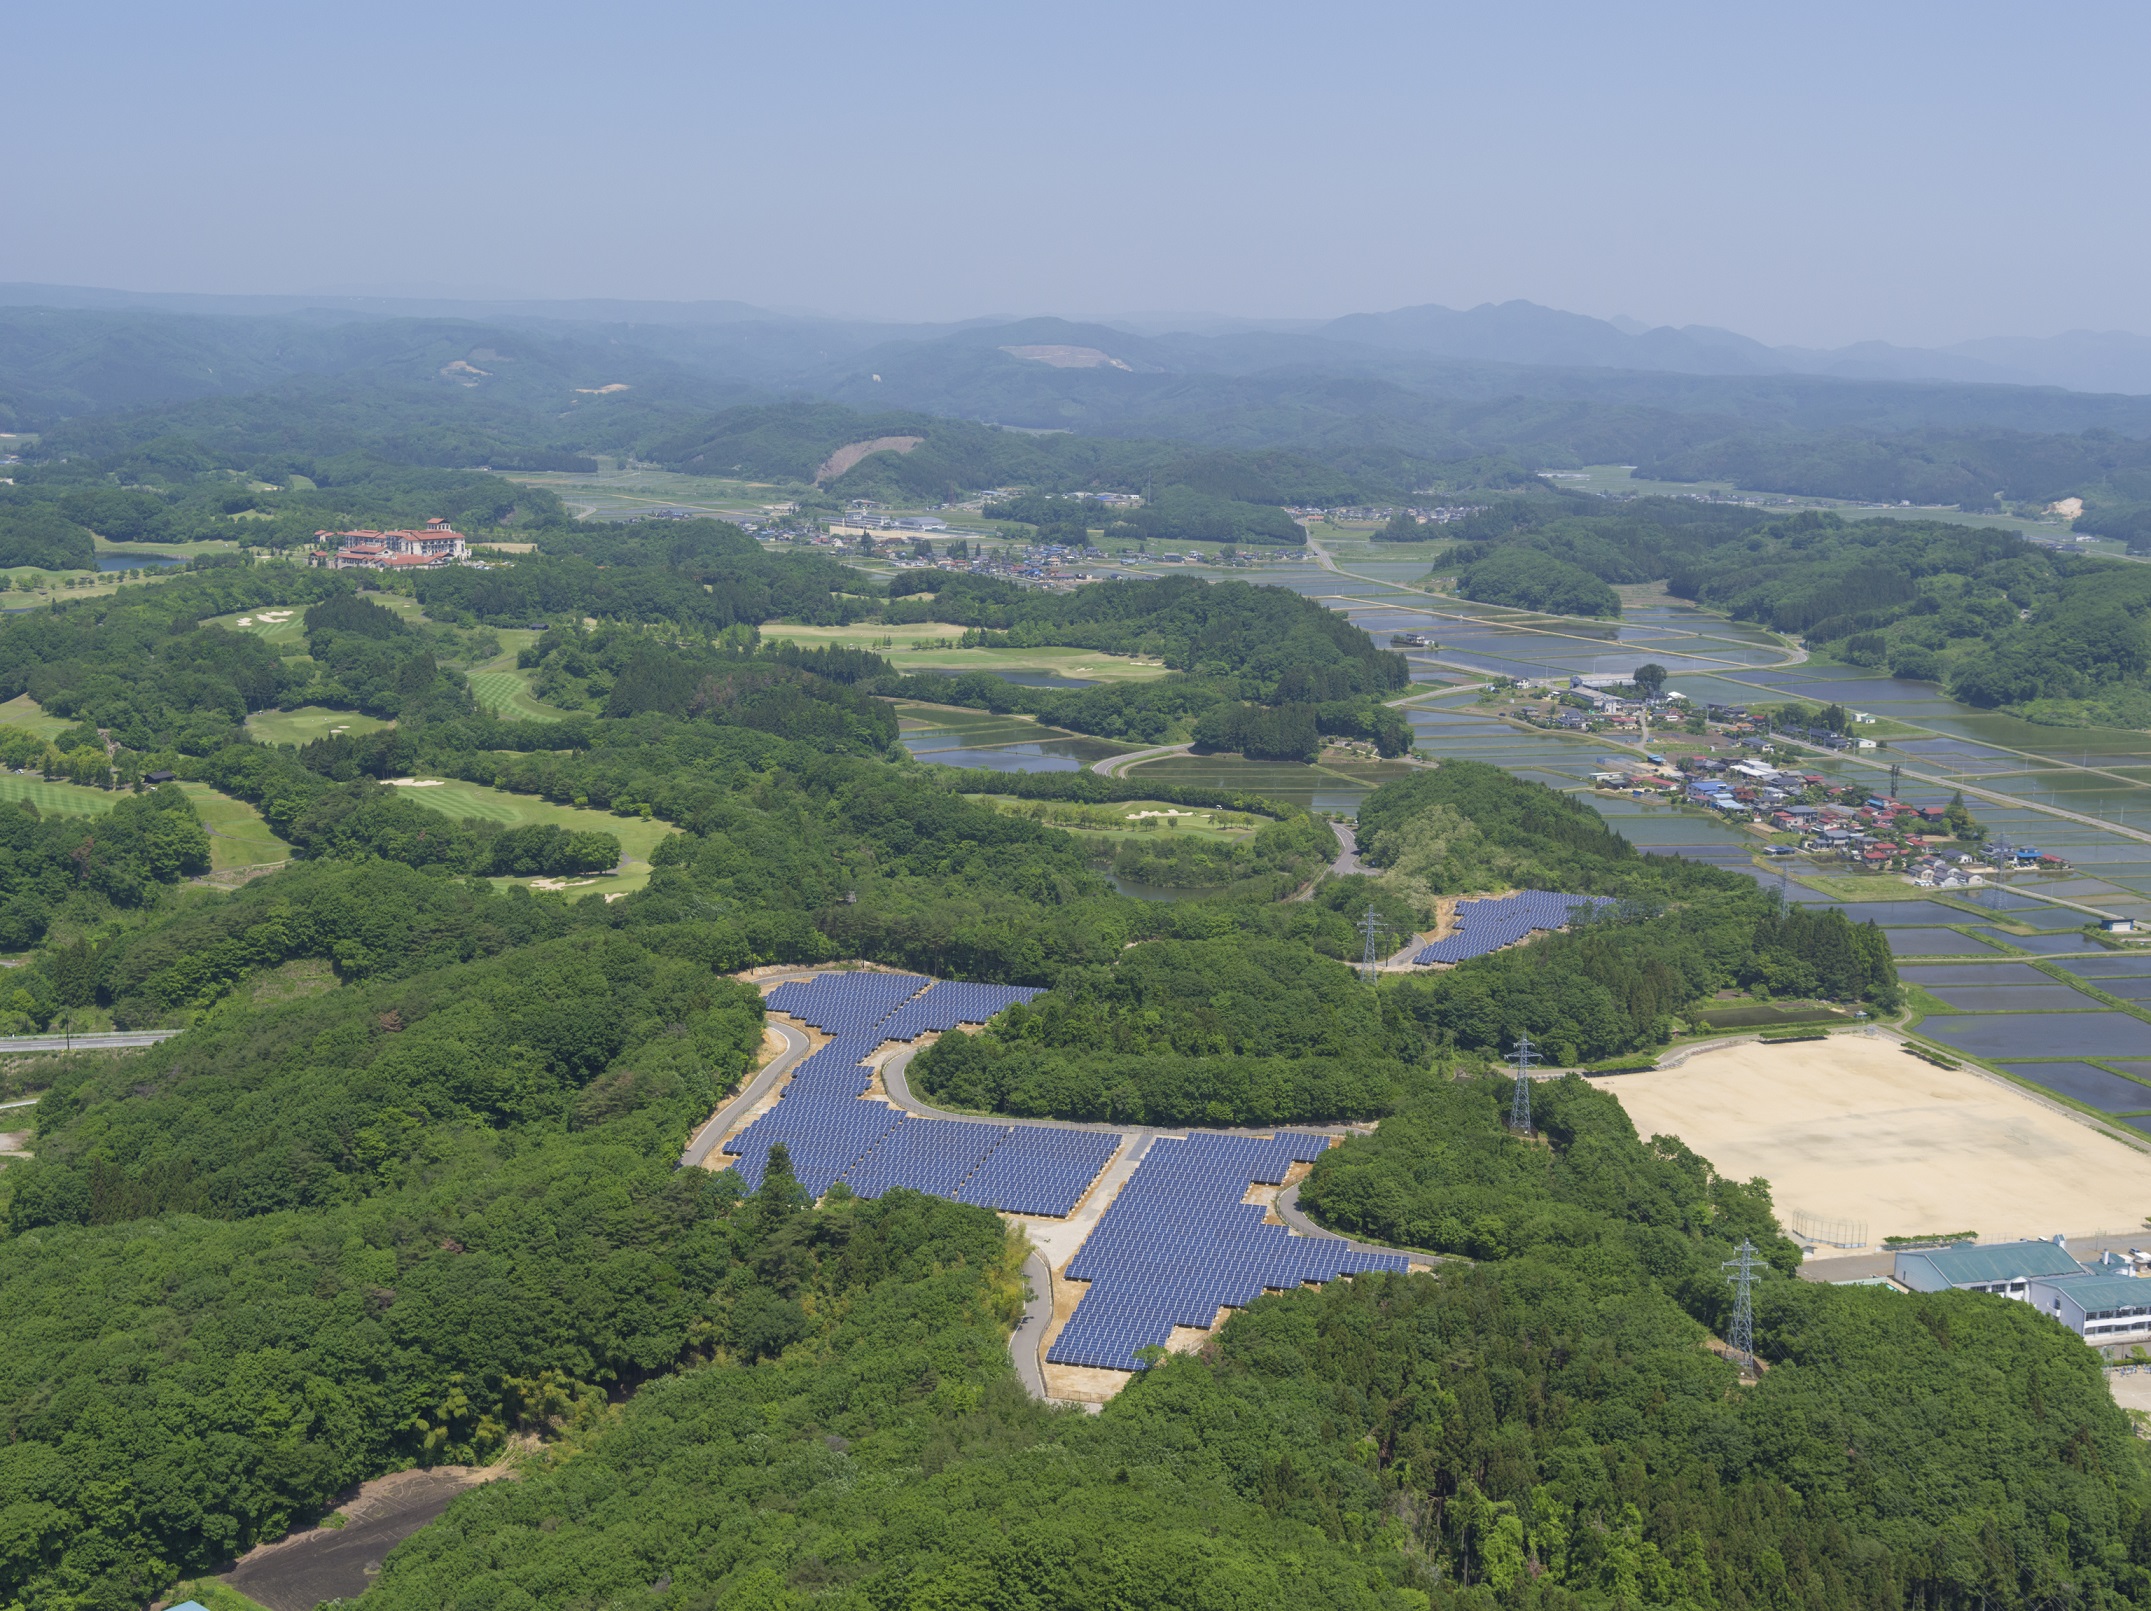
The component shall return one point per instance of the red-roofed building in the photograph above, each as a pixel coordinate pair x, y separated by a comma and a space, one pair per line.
438, 543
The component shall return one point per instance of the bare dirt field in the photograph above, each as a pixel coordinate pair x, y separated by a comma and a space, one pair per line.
1854, 1128
330, 1563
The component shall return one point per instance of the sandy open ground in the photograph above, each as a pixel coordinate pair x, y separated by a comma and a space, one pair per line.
1855, 1128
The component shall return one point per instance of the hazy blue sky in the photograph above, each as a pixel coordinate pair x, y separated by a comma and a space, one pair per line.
1817, 173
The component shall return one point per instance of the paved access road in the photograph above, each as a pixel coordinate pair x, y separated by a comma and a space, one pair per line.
111, 1041
725, 1118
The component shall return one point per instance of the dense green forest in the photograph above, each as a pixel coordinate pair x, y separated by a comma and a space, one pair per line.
1972, 469
1533, 580
404, 1188
1181, 1032
171, 490
1262, 670
1544, 1427
1999, 621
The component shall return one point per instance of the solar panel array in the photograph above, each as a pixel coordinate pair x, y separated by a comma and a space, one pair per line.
1488, 925
833, 1135
1178, 1244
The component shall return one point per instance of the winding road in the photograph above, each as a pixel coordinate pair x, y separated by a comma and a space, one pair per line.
1112, 766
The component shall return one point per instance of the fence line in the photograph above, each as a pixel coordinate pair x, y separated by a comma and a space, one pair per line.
1827, 1229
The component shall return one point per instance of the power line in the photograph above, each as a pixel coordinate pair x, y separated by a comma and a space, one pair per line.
1740, 1337
1520, 1103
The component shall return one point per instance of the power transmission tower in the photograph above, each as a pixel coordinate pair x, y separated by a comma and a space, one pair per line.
1371, 928
1894, 770
1520, 1103
1740, 1336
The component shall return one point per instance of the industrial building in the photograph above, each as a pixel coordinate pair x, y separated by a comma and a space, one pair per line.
2104, 1301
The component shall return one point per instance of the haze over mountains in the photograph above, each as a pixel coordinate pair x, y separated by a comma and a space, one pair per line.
1514, 332
1412, 399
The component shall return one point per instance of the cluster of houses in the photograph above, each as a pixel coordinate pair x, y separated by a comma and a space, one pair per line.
1876, 831
1381, 514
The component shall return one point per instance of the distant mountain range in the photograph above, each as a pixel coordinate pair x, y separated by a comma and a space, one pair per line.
1413, 399
1525, 333
768, 346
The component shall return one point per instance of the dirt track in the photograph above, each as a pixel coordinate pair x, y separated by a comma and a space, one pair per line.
324, 1563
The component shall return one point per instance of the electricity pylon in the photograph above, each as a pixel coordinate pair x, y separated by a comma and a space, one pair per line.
1520, 1103
1740, 1336
1371, 928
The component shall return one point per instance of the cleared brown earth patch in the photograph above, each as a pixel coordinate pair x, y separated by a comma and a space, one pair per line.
852, 452
337, 1563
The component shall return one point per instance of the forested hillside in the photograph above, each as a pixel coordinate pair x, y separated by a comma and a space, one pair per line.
1997, 620
1262, 670
404, 1187
171, 490
1546, 1427
1250, 1030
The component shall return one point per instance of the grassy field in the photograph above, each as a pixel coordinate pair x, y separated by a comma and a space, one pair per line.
500, 687
237, 835
284, 627
23, 711
637, 837
899, 645
57, 799
309, 722
613, 494
96, 584
505, 692
1132, 819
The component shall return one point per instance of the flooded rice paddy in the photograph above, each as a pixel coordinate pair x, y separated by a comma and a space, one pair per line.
2081, 794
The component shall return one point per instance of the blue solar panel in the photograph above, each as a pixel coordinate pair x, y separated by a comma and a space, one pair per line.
832, 1133
1178, 1245
1485, 926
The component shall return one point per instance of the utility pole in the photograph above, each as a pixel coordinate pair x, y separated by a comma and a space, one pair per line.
1741, 1334
1520, 1102
1371, 928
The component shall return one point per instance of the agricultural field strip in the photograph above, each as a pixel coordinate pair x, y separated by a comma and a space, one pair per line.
1526, 621
1733, 673
2020, 1067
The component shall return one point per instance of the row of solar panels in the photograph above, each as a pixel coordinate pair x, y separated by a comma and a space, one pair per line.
1023, 1169
1178, 1244
1485, 926
832, 1134
902, 1006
